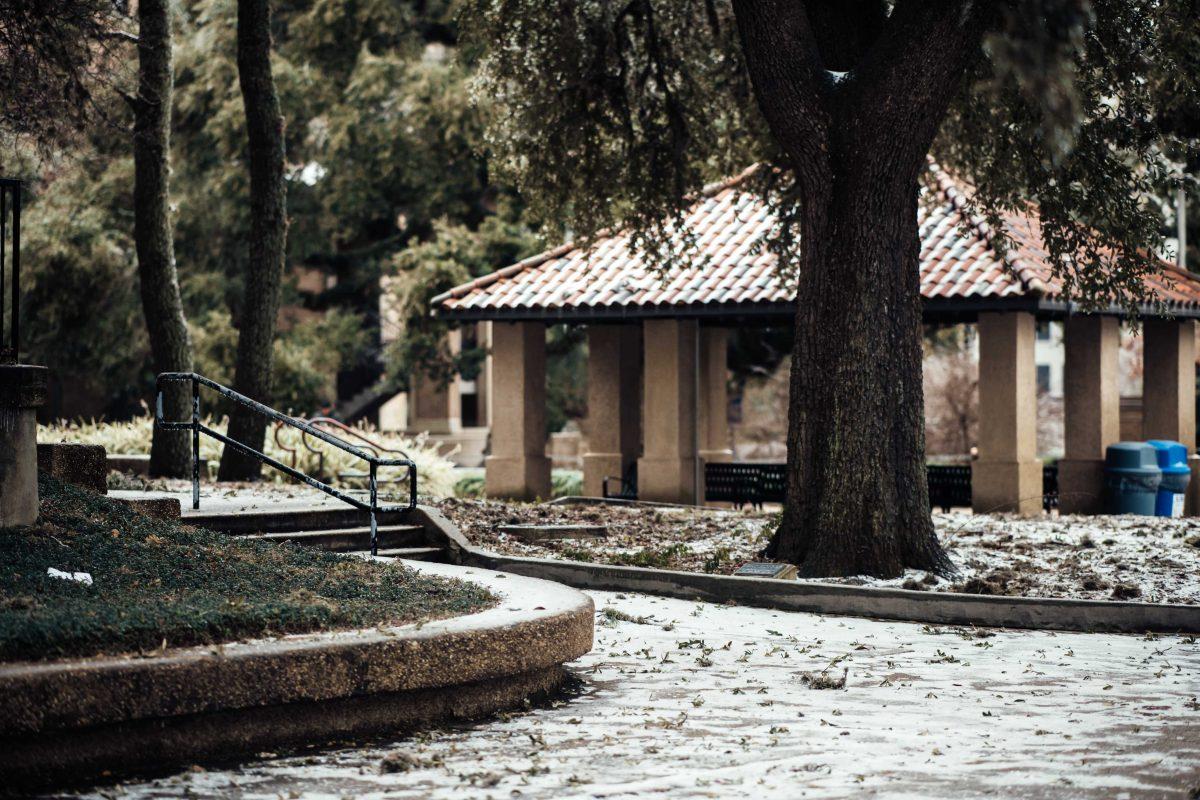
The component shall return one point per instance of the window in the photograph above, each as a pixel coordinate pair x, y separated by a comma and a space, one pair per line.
1043, 333
1043, 377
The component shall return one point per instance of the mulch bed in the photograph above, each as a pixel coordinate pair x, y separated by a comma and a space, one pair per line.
1146, 559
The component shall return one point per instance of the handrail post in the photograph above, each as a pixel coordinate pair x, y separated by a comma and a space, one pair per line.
374, 523
412, 485
195, 444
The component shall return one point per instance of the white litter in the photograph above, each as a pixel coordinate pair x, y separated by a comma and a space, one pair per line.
79, 577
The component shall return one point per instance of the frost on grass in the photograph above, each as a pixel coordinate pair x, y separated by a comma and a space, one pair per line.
1143, 559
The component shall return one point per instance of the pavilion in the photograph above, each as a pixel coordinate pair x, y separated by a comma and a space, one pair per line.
657, 350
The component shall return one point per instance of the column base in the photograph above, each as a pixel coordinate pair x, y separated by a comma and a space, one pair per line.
669, 480
597, 467
1081, 486
22, 391
1007, 486
526, 478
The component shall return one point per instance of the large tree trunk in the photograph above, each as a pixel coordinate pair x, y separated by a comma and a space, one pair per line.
170, 347
268, 234
858, 500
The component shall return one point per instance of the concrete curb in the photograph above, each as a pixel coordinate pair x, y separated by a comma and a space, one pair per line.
939, 608
75, 720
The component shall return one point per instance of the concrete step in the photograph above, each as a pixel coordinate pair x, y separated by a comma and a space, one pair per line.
343, 540
285, 520
415, 553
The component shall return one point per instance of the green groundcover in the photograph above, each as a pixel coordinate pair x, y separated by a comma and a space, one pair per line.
156, 584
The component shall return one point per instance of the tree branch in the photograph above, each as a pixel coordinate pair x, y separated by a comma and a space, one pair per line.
908, 79
845, 30
789, 81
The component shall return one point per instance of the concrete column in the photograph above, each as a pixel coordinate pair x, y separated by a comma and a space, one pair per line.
669, 467
1169, 380
482, 387
614, 400
22, 391
1169, 389
1092, 410
1008, 475
714, 398
434, 408
517, 467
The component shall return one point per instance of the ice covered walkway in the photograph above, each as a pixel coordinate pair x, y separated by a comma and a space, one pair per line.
683, 700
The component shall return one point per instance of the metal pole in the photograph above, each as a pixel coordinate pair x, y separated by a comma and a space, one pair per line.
16, 274
374, 522
1181, 225
697, 474
195, 444
3, 244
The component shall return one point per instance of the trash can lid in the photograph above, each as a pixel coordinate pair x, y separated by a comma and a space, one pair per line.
1131, 456
1172, 456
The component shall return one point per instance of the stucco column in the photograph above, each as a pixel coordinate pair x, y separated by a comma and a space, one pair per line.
517, 467
22, 391
714, 399
1008, 475
669, 467
1169, 380
1092, 408
434, 408
613, 403
1169, 389
483, 397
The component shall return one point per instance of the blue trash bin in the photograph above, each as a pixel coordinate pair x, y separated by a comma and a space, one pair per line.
1131, 478
1172, 460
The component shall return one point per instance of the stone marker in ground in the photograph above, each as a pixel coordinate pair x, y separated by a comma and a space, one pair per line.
531, 533
766, 569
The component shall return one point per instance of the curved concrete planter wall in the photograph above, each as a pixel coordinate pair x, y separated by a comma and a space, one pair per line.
941, 608
74, 720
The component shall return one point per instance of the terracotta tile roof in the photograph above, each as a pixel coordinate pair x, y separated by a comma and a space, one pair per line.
960, 265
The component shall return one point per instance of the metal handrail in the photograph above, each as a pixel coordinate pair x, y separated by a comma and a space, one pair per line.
197, 427
375, 447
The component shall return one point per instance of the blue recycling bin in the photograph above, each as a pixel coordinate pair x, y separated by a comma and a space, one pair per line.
1131, 478
1172, 460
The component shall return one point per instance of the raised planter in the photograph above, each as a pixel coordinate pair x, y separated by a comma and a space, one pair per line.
77, 720
941, 608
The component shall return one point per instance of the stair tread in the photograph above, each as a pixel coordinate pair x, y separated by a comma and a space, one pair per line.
317, 532
394, 552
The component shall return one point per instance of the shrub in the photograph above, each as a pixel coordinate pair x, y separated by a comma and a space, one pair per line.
435, 473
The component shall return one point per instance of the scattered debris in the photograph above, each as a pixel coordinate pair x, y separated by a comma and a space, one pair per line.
399, 761
79, 577
823, 680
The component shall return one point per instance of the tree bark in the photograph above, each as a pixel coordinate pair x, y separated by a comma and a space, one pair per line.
858, 499
170, 346
268, 235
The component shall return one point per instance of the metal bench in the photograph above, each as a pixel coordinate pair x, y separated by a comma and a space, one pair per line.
751, 483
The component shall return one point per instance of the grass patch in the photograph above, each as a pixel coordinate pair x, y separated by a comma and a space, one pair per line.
157, 582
